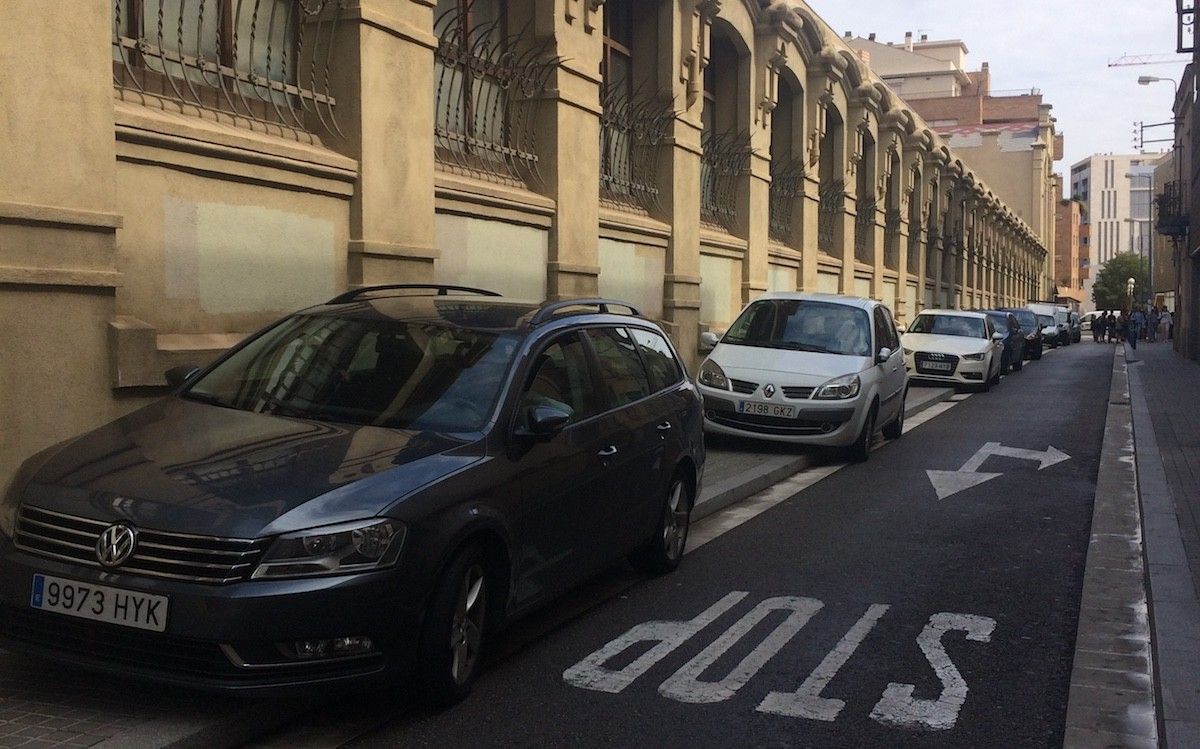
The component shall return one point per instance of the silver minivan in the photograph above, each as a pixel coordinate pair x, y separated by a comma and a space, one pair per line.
818, 369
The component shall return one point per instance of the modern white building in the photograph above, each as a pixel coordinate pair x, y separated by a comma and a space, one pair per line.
1116, 191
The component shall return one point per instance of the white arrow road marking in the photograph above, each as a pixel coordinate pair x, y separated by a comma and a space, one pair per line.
946, 483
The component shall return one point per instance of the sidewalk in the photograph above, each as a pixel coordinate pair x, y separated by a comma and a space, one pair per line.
44, 706
1166, 417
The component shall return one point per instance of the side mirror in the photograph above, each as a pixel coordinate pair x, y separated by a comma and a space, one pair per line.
543, 422
884, 354
176, 376
997, 336
901, 329
708, 341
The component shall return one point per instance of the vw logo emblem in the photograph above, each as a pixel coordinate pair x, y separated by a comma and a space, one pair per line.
116, 544
769, 391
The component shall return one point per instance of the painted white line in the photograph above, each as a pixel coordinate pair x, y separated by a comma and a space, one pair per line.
731, 517
807, 702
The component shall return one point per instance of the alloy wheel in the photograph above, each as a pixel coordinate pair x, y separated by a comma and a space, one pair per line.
675, 521
466, 628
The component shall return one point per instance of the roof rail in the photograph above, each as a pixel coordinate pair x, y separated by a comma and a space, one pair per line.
437, 289
548, 311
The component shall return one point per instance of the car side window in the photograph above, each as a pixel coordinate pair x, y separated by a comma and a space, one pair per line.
621, 373
893, 335
562, 379
882, 336
661, 364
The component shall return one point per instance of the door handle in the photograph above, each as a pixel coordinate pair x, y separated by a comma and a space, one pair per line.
664, 427
608, 452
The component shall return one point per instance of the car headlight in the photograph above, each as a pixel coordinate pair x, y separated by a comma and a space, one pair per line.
839, 388
713, 376
973, 357
333, 550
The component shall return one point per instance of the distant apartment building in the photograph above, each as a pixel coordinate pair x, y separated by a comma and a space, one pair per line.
1067, 250
1116, 191
1009, 137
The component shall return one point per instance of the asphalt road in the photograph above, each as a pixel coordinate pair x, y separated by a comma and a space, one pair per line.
863, 611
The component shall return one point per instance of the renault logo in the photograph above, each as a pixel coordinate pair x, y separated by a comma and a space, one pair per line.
769, 391
116, 544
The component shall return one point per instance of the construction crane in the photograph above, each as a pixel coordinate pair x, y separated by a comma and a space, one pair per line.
1167, 59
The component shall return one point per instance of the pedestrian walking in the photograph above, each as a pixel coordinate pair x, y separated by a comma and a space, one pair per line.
1137, 320
1122, 324
1099, 328
1110, 326
1152, 325
1168, 323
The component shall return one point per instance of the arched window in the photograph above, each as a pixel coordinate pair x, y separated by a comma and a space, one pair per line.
865, 201
787, 164
726, 149
833, 186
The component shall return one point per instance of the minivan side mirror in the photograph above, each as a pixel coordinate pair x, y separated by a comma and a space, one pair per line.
708, 341
176, 376
543, 422
884, 354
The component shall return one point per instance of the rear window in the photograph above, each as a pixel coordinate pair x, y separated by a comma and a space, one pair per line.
661, 364
803, 325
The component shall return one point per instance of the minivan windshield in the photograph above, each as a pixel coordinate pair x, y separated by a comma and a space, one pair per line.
1046, 320
803, 325
411, 375
958, 325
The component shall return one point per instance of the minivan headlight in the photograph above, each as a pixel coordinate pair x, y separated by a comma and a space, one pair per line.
839, 388
333, 550
713, 376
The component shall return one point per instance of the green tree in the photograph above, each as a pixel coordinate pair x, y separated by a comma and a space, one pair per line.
1111, 289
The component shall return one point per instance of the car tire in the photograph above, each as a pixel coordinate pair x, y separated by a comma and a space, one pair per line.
895, 429
861, 449
452, 639
664, 551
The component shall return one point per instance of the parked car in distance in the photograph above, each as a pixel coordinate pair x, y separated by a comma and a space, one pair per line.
817, 369
955, 347
1051, 333
1031, 329
1013, 358
367, 488
1061, 317
1075, 326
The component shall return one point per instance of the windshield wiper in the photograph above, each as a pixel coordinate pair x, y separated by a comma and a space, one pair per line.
806, 347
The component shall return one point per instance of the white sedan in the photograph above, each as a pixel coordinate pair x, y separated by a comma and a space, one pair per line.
957, 348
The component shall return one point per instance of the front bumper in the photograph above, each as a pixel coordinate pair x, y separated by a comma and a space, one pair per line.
218, 637
824, 423
966, 372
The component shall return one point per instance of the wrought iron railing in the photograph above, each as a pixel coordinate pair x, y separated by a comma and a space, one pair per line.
1173, 209
864, 226
891, 239
933, 244
914, 239
832, 205
725, 158
631, 127
262, 63
487, 84
787, 185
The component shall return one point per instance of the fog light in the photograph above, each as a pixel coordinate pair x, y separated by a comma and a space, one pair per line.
337, 647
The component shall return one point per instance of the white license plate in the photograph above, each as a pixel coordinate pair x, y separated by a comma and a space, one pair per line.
943, 366
100, 603
767, 409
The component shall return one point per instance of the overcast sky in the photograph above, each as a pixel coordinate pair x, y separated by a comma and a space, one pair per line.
1059, 46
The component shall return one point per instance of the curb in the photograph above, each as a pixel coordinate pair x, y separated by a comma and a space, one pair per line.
722, 494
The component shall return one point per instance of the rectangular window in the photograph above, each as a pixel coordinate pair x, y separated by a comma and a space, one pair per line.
660, 360
621, 371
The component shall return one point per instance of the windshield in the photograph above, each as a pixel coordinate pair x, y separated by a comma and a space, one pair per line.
803, 325
370, 372
1046, 320
967, 327
1027, 319
1060, 318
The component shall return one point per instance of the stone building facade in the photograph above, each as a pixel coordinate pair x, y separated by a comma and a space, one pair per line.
176, 174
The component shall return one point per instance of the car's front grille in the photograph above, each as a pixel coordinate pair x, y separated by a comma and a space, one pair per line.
923, 359
744, 387
175, 556
798, 393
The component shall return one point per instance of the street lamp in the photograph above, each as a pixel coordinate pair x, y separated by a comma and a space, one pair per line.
1129, 292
